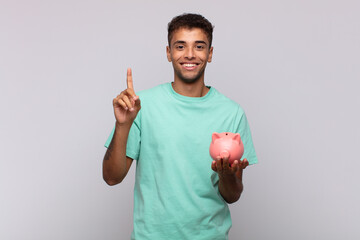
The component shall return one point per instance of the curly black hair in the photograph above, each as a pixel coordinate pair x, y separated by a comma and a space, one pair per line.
190, 20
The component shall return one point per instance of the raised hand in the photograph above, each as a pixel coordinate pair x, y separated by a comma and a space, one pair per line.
127, 103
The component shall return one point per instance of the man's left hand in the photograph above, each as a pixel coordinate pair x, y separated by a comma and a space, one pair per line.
224, 169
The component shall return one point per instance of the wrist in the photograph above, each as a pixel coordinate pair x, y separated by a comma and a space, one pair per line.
230, 179
227, 177
123, 125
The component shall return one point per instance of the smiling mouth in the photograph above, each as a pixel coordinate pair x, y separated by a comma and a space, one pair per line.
189, 66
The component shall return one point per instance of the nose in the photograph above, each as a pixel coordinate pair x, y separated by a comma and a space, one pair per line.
190, 54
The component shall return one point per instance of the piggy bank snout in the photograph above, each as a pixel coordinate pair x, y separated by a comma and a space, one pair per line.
224, 154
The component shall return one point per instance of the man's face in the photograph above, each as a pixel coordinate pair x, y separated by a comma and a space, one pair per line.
189, 53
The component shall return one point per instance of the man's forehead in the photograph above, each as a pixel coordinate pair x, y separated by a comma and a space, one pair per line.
189, 34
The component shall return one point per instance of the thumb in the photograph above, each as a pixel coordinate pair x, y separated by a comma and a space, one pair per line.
137, 101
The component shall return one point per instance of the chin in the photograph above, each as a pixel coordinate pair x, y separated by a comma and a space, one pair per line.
189, 80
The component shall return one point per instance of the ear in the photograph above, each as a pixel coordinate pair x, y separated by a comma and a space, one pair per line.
168, 53
215, 136
210, 54
237, 138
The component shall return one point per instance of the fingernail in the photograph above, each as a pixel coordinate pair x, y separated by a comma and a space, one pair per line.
131, 109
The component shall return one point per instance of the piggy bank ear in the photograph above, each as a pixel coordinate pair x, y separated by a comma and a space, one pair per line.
237, 138
215, 136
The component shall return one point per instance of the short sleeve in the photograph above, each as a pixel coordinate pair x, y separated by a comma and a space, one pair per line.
133, 142
108, 141
134, 139
242, 127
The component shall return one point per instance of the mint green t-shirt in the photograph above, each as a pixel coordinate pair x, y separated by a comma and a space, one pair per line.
176, 192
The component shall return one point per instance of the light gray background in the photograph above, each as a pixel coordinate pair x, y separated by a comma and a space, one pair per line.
292, 65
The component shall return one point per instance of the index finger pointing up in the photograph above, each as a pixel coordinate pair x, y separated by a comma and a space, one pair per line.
129, 80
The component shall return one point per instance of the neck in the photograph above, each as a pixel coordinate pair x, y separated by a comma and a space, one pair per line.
196, 89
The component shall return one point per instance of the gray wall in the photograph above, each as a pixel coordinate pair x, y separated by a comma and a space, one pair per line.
292, 65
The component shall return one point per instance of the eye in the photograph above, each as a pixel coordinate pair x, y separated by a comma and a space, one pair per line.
200, 47
180, 47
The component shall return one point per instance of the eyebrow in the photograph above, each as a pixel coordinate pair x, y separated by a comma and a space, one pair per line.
183, 42
201, 42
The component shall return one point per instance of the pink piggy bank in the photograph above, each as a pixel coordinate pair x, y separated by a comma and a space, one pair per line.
226, 144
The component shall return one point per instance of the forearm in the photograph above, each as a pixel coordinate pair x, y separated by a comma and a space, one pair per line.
230, 188
114, 163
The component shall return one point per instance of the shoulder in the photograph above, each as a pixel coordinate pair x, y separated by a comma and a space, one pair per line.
152, 95
152, 92
227, 102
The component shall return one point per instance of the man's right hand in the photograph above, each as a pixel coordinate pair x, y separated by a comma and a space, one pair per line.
127, 103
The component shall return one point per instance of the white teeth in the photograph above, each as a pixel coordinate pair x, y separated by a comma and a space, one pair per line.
189, 65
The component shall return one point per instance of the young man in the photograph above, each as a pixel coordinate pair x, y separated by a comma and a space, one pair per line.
180, 192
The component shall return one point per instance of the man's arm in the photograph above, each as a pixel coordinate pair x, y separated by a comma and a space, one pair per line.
126, 107
116, 164
230, 178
